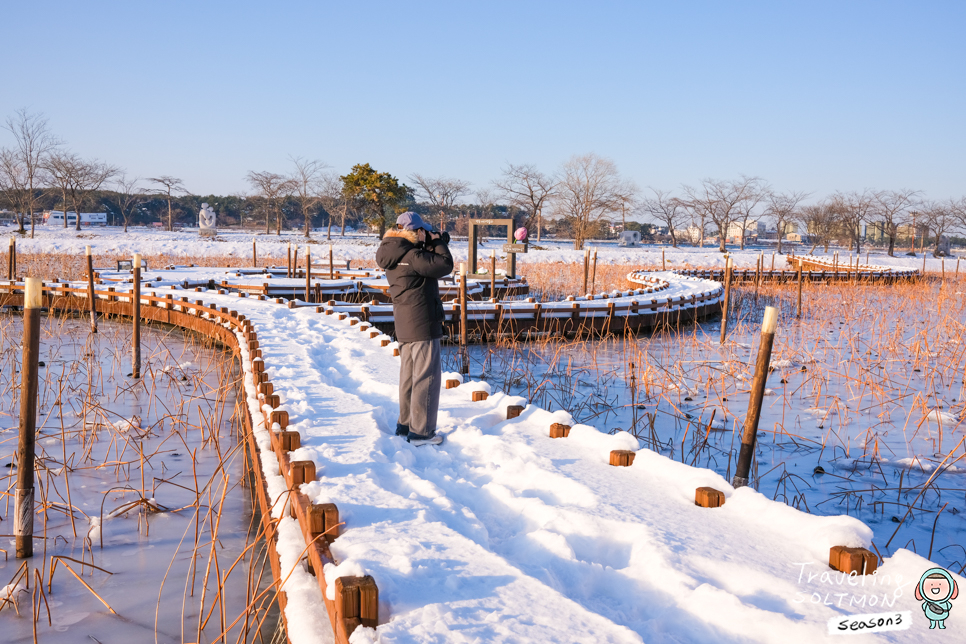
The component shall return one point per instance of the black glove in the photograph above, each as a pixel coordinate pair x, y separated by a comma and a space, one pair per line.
444, 237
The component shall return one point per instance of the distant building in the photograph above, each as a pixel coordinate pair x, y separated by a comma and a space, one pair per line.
56, 218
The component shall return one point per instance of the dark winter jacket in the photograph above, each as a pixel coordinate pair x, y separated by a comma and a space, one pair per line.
413, 271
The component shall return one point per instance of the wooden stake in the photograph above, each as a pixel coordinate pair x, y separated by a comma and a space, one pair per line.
727, 299
586, 268
254, 254
12, 260
798, 311
23, 519
136, 315
663, 261
773, 261
331, 270
465, 367
593, 275
768, 328
308, 274
90, 289
493, 274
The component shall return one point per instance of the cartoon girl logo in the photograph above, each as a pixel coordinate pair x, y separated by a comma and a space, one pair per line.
936, 590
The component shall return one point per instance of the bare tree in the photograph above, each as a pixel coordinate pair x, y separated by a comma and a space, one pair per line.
940, 218
719, 202
129, 196
22, 165
61, 167
529, 190
820, 222
307, 185
441, 193
169, 186
333, 199
666, 209
77, 180
892, 209
747, 207
852, 210
589, 191
782, 207
273, 188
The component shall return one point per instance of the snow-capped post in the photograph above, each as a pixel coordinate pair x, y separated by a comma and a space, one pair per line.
90, 289
254, 254
798, 311
464, 357
727, 299
136, 315
493, 273
768, 327
308, 273
23, 518
593, 274
586, 268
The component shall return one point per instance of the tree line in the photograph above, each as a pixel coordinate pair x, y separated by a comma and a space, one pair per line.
579, 200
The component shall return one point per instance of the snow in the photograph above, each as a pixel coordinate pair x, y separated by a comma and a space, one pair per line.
356, 247
502, 534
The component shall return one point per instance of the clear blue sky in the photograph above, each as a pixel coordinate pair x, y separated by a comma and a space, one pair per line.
814, 95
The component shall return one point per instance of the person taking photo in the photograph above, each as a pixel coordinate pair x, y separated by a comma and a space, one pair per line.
415, 257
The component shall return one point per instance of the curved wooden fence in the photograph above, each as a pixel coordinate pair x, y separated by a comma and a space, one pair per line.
356, 598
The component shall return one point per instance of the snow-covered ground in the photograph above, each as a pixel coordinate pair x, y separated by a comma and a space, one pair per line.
363, 247
505, 535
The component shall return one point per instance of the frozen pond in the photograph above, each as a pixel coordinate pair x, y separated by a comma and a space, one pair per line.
864, 406
153, 493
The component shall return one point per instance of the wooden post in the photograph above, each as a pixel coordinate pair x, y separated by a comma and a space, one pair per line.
727, 299
768, 328
586, 269
593, 275
957, 267
758, 267
464, 355
308, 274
254, 254
924, 262
136, 315
288, 266
90, 289
12, 260
773, 261
493, 273
23, 518
295, 263
798, 311
330, 262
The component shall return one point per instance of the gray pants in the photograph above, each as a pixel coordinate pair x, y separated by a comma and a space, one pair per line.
420, 378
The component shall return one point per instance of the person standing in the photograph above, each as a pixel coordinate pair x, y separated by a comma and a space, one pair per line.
415, 257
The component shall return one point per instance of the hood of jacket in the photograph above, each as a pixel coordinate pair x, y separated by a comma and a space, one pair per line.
394, 247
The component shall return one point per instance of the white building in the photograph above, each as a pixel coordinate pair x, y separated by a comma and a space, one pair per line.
56, 218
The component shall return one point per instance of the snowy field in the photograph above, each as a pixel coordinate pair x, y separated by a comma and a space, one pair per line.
363, 247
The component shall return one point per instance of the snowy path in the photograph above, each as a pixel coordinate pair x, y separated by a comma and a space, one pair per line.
506, 535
